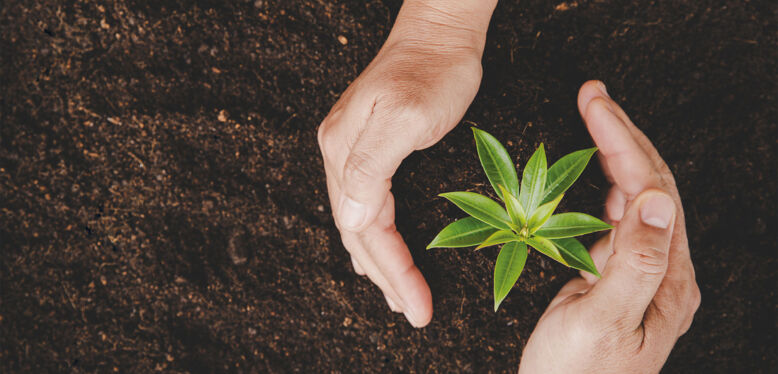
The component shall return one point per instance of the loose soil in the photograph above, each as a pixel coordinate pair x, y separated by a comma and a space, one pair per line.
163, 203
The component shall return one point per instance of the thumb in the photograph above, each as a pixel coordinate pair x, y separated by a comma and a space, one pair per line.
639, 263
367, 173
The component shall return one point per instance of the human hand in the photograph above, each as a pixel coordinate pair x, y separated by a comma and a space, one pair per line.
416, 89
628, 321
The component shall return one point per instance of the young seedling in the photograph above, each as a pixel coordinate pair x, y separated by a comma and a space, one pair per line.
527, 219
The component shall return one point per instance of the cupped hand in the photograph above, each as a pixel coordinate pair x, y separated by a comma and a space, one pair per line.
628, 321
416, 89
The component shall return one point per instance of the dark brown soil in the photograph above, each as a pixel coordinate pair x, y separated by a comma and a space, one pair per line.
162, 199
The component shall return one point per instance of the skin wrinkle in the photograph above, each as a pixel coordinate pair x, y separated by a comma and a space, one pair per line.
448, 15
433, 23
651, 261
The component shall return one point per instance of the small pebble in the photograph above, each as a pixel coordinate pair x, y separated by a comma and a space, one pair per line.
236, 248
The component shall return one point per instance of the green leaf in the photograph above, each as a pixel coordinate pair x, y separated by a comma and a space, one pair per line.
499, 237
567, 225
480, 207
542, 214
515, 210
465, 232
533, 181
496, 162
576, 255
547, 248
510, 263
564, 172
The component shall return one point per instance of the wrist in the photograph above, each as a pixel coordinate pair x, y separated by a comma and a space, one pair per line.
473, 14
455, 23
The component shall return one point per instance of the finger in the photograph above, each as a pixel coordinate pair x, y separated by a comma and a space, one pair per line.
360, 257
605, 169
596, 89
390, 254
677, 298
392, 305
361, 260
357, 267
658, 335
335, 137
370, 165
631, 169
357, 251
661, 176
576, 286
339, 131
639, 262
615, 204
600, 252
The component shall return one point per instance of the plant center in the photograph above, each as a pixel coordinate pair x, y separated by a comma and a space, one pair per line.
524, 233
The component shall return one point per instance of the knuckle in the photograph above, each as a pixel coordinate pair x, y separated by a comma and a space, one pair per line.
686, 326
360, 168
348, 243
649, 260
695, 299
325, 137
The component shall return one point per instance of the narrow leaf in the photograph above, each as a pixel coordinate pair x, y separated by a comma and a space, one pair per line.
465, 232
480, 207
515, 210
533, 181
496, 162
499, 237
564, 172
542, 214
567, 225
547, 248
576, 255
510, 263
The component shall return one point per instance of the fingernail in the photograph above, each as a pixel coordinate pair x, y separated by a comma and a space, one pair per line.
603, 89
352, 213
392, 305
657, 211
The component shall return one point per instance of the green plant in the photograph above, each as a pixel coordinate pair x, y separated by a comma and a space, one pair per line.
527, 218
